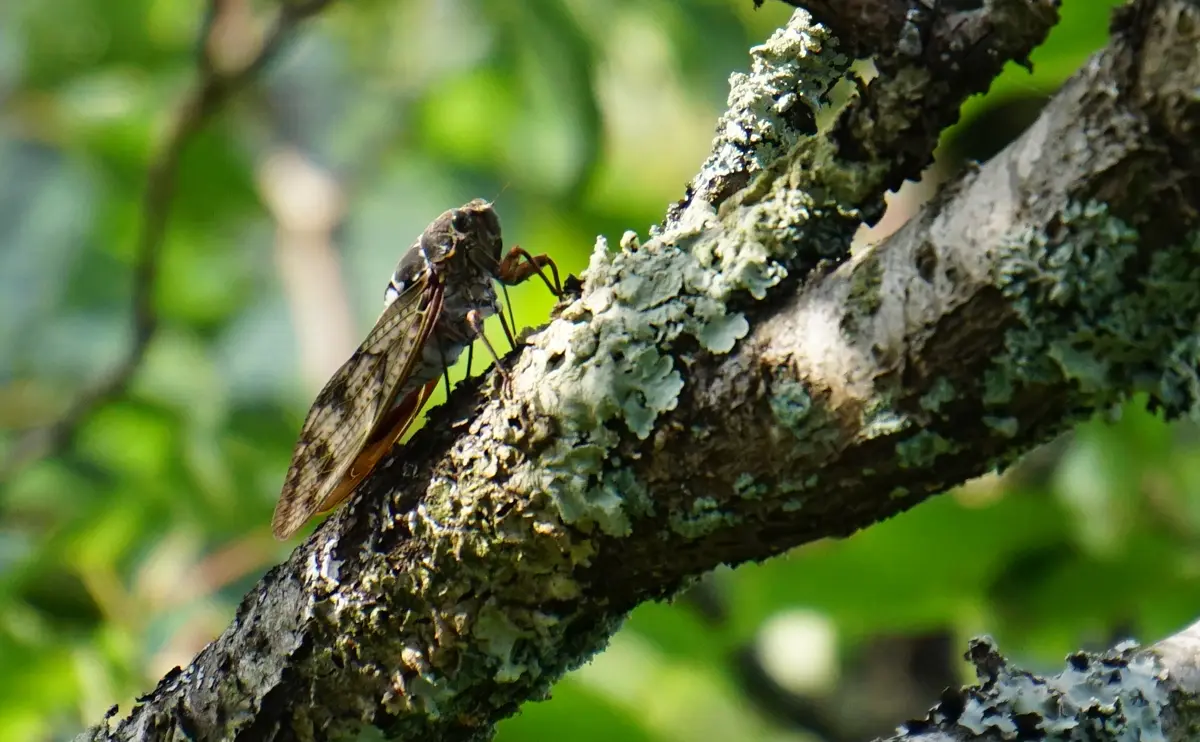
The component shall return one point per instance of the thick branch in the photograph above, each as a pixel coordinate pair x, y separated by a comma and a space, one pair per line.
633, 450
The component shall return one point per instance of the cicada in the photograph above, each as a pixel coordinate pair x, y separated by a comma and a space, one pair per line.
434, 307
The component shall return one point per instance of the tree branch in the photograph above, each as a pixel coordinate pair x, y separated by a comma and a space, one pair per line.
218, 78
1125, 693
734, 386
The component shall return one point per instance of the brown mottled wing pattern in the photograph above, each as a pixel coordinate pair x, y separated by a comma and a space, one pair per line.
387, 433
350, 410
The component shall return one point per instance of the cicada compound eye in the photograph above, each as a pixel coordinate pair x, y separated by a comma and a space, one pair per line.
461, 221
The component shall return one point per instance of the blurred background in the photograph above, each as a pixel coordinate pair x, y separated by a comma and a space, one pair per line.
183, 372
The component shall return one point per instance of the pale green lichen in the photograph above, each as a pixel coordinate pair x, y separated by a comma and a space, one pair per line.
498, 636
789, 486
864, 298
941, 392
1181, 386
424, 690
881, 420
703, 517
642, 299
747, 488
813, 431
586, 490
997, 386
1078, 267
621, 488
1005, 425
920, 450
790, 404
720, 334
1173, 276
602, 365
1091, 315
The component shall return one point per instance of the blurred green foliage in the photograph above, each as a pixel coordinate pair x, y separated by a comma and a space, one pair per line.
127, 550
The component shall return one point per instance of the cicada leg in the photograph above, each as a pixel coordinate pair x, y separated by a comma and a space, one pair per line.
446, 366
512, 271
512, 318
475, 321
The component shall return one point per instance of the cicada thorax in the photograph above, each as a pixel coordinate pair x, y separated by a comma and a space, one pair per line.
460, 253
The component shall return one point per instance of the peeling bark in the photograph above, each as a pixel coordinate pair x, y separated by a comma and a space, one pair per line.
737, 385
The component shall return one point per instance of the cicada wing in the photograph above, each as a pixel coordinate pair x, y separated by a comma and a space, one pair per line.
348, 412
391, 429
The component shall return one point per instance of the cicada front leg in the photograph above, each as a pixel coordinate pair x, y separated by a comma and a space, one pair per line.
512, 271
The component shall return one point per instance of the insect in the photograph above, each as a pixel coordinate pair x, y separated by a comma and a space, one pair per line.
434, 307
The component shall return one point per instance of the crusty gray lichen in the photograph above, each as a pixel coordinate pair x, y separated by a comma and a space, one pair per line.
793, 69
1121, 695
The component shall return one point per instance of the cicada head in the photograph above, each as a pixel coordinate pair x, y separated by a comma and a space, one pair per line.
471, 228
477, 229
471, 231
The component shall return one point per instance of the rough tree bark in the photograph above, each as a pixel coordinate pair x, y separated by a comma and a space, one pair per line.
737, 384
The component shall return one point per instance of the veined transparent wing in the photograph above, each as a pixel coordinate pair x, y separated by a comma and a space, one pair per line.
350, 419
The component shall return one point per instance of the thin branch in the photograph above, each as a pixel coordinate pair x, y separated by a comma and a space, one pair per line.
1128, 692
211, 89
